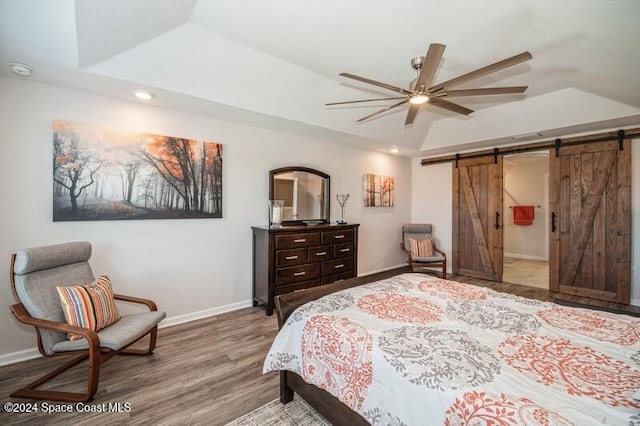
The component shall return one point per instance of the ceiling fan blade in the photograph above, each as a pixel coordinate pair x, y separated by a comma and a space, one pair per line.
429, 67
411, 114
505, 63
381, 111
364, 100
441, 103
376, 83
487, 91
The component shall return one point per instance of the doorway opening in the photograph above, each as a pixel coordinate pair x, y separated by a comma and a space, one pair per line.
526, 242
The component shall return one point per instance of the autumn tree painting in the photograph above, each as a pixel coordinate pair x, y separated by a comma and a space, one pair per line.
378, 190
103, 174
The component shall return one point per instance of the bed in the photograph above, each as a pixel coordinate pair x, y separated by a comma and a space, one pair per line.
415, 349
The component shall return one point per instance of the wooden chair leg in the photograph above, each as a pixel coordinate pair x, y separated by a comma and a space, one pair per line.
96, 358
153, 338
30, 391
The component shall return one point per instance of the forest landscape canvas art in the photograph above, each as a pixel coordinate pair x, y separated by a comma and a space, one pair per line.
107, 174
379, 190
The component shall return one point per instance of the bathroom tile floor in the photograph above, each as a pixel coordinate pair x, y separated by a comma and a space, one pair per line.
534, 273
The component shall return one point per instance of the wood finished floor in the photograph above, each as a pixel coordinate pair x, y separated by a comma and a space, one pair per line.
204, 372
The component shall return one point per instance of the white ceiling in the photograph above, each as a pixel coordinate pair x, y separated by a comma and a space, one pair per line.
276, 63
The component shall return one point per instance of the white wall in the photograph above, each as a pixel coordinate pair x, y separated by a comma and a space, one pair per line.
432, 203
525, 183
189, 267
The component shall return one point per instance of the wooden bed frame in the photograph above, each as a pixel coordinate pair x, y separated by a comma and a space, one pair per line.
326, 404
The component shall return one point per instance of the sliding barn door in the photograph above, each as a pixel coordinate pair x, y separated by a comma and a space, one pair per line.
477, 224
590, 204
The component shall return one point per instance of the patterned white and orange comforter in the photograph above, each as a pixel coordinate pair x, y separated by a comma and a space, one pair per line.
418, 350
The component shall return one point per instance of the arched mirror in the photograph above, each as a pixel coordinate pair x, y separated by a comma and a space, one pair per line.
305, 193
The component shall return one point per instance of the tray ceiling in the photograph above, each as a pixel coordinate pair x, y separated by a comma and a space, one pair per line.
276, 63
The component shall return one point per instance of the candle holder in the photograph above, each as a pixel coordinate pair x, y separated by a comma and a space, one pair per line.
276, 208
342, 200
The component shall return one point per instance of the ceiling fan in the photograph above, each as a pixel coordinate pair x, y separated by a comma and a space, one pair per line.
422, 92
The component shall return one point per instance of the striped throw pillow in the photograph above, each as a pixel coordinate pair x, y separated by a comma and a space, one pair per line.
421, 248
89, 306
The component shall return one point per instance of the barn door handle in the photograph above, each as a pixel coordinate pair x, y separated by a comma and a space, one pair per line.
497, 224
553, 221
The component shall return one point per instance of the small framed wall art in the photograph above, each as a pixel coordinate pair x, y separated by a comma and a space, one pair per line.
378, 190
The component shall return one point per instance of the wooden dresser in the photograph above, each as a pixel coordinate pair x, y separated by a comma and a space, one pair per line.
296, 257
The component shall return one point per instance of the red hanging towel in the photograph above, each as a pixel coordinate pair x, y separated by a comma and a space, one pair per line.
523, 215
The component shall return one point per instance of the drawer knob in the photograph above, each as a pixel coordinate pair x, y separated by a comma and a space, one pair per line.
339, 266
344, 250
300, 240
298, 274
321, 253
338, 237
291, 257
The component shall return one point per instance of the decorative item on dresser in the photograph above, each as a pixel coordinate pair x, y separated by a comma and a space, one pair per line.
342, 200
298, 257
275, 213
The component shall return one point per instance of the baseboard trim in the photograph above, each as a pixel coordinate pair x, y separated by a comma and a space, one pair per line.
402, 265
206, 313
388, 268
19, 356
525, 256
27, 354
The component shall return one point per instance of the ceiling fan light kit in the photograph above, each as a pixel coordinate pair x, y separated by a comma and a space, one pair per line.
418, 99
422, 92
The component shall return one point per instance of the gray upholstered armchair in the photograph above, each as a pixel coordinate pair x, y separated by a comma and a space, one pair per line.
422, 252
35, 275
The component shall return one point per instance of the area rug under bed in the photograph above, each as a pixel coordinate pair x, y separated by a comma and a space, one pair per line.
297, 412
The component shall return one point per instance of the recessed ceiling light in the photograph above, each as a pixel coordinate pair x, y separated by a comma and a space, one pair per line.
20, 69
394, 150
143, 95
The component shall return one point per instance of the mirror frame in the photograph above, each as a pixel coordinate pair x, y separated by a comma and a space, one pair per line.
327, 204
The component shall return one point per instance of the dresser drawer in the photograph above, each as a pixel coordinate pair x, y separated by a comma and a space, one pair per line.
295, 257
338, 266
291, 257
331, 237
282, 289
297, 240
338, 277
296, 274
342, 250
318, 254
